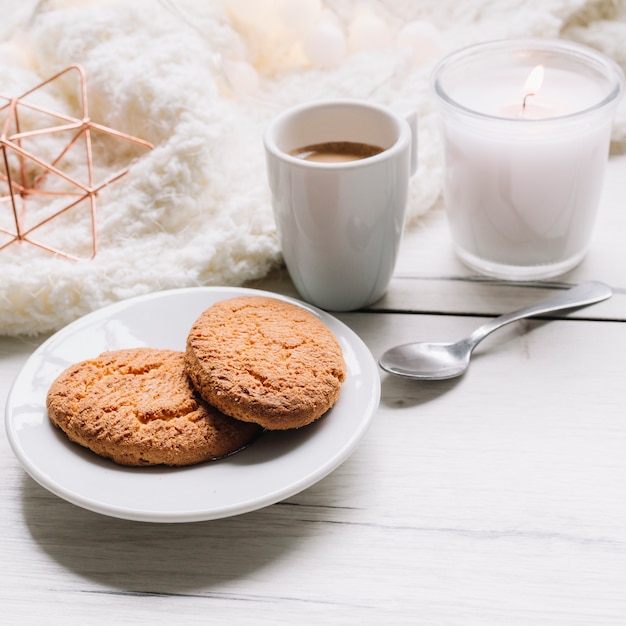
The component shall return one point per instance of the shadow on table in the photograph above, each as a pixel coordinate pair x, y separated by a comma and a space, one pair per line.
401, 393
180, 559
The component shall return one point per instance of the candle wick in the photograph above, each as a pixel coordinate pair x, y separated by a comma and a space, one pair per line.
524, 100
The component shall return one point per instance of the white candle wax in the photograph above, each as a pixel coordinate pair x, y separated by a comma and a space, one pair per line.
522, 184
529, 200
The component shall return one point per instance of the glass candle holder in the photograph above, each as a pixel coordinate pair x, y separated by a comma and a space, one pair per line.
526, 130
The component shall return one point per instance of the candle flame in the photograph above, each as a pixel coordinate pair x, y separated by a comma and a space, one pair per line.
534, 81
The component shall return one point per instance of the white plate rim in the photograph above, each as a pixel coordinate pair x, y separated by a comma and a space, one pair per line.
365, 375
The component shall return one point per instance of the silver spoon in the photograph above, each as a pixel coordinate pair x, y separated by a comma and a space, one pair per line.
435, 361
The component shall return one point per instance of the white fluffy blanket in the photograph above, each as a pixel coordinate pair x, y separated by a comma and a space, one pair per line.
196, 209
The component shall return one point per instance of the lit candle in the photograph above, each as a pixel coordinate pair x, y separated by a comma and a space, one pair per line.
527, 106
524, 172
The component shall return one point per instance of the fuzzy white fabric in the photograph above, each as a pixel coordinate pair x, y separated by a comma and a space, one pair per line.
196, 209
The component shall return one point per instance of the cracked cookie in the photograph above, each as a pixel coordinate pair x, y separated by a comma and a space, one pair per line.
265, 361
138, 407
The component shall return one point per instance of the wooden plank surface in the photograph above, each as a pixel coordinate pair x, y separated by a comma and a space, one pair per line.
494, 499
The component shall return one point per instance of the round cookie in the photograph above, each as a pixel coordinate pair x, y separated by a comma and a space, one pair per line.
265, 361
138, 407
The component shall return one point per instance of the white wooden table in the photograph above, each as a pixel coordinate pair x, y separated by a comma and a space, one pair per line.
498, 498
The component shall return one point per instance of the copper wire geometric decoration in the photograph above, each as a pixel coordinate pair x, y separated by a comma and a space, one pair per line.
34, 188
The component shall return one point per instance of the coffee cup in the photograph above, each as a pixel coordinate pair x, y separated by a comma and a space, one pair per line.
339, 172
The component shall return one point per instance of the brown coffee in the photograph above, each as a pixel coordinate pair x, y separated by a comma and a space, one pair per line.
336, 151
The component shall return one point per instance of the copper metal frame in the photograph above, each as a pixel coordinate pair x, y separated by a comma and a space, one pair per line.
20, 190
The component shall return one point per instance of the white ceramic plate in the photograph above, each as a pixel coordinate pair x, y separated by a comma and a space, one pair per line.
276, 466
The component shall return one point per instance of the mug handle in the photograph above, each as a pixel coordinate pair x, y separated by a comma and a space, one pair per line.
411, 118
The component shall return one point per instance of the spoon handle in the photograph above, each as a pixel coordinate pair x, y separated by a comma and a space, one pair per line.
579, 295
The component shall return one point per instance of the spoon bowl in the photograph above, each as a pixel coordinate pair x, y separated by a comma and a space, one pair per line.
427, 361
437, 361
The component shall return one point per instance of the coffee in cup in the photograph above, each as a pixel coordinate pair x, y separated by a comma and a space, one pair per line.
336, 151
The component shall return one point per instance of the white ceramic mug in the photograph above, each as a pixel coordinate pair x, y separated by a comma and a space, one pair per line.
340, 224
